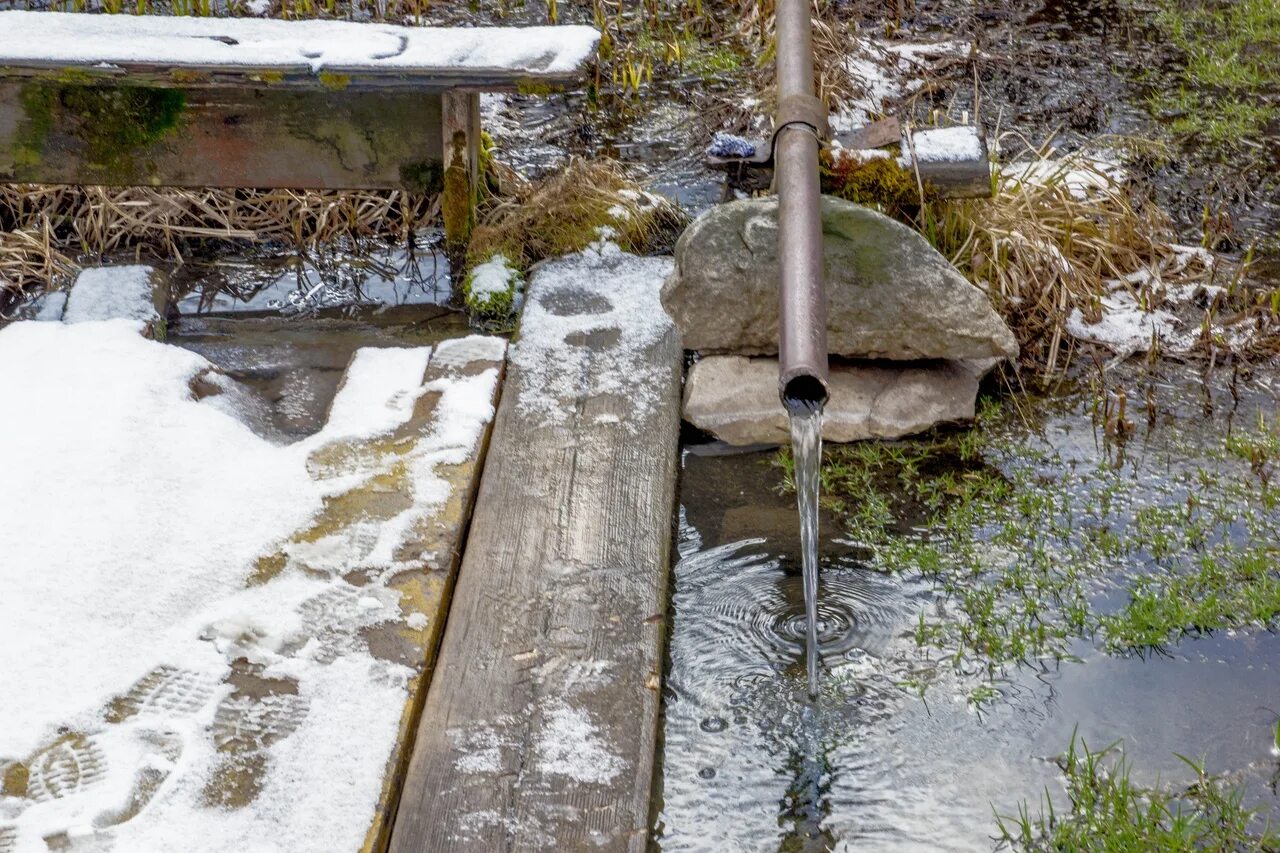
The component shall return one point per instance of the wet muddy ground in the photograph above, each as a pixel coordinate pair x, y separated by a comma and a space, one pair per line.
908, 746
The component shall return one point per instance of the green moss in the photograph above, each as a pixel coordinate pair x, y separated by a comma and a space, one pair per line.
115, 124
74, 77
881, 183
423, 177
334, 82
187, 77
271, 78
536, 87
457, 203
493, 306
38, 104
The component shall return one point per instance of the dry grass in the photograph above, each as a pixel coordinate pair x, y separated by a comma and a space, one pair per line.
567, 211
51, 228
1062, 231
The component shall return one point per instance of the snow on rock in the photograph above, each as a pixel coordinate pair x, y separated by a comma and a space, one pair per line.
57, 38
128, 552
112, 293
492, 277
491, 287
588, 317
945, 145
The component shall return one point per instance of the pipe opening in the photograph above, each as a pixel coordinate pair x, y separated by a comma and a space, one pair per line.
804, 394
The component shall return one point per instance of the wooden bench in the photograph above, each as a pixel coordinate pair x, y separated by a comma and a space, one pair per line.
215, 102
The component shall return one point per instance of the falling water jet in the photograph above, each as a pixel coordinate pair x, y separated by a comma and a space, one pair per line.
804, 398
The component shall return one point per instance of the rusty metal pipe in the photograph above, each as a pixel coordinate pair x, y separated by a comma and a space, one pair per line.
802, 299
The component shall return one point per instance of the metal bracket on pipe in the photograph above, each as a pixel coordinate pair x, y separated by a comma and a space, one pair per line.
805, 110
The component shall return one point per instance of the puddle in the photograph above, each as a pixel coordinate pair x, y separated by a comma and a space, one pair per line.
895, 754
294, 365
338, 282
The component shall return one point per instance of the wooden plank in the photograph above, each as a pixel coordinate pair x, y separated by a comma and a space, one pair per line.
128, 135
301, 54
540, 724
878, 134
429, 552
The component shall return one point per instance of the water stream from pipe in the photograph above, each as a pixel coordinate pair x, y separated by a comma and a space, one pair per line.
806, 449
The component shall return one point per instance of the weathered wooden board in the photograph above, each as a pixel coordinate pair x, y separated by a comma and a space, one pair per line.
53, 132
306, 54
540, 723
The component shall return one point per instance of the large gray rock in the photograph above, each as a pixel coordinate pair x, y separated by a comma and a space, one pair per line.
736, 398
889, 293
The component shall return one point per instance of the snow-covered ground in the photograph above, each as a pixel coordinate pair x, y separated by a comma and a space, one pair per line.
156, 693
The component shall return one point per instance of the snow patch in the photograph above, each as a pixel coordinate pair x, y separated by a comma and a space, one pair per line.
602, 292
58, 38
111, 293
495, 277
378, 391
571, 746
945, 145
126, 564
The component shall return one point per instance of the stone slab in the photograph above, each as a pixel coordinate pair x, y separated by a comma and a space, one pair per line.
126, 292
736, 399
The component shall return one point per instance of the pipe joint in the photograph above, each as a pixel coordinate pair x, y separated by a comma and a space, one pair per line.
804, 109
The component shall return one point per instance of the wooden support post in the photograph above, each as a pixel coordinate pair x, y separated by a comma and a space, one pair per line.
460, 124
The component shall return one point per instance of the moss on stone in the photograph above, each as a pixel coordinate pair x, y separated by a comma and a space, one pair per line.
882, 183
187, 77
334, 82
492, 304
536, 87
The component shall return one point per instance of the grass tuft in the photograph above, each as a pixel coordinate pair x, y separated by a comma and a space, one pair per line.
1108, 811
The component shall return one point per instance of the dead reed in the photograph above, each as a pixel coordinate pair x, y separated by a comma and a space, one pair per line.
46, 230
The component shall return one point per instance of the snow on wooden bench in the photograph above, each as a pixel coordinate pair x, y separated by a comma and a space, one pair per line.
193, 102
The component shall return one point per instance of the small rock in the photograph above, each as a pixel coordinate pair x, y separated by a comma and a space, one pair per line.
736, 398
889, 293
117, 293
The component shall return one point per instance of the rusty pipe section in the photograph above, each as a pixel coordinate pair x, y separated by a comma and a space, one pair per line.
799, 123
